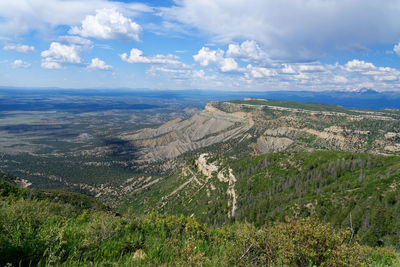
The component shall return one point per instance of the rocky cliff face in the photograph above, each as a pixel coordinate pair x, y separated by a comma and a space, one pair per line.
264, 126
208, 127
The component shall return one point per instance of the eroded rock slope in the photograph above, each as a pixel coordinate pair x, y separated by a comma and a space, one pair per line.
176, 137
265, 126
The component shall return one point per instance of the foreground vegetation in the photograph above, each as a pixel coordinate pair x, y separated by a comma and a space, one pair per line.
52, 231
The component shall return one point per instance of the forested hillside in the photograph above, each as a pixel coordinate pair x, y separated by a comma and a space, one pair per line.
48, 232
345, 189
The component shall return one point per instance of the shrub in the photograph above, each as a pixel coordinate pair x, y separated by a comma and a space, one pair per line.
305, 242
41, 232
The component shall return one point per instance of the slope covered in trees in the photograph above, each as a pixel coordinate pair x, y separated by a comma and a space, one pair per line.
346, 189
46, 232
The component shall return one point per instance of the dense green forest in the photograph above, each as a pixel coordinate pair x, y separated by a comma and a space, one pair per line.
52, 229
345, 189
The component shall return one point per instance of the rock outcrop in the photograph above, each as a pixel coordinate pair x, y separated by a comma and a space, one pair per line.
260, 127
176, 137
268, 144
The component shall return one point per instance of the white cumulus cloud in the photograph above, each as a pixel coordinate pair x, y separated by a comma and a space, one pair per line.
108, 24
136, 56
66, 50
205, 56
359, 65
247, 51
19, 48
20, 64
260, 72
228, 64
98, 64
296, 75
60, 53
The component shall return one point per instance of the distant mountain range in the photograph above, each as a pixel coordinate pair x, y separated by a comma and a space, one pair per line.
360, 98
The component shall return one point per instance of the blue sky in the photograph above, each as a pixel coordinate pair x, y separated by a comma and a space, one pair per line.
201, 44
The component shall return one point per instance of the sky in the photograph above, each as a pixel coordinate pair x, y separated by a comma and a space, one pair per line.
257, 45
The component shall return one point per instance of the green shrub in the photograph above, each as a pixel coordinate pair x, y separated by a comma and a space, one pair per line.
41, 232
307, 242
